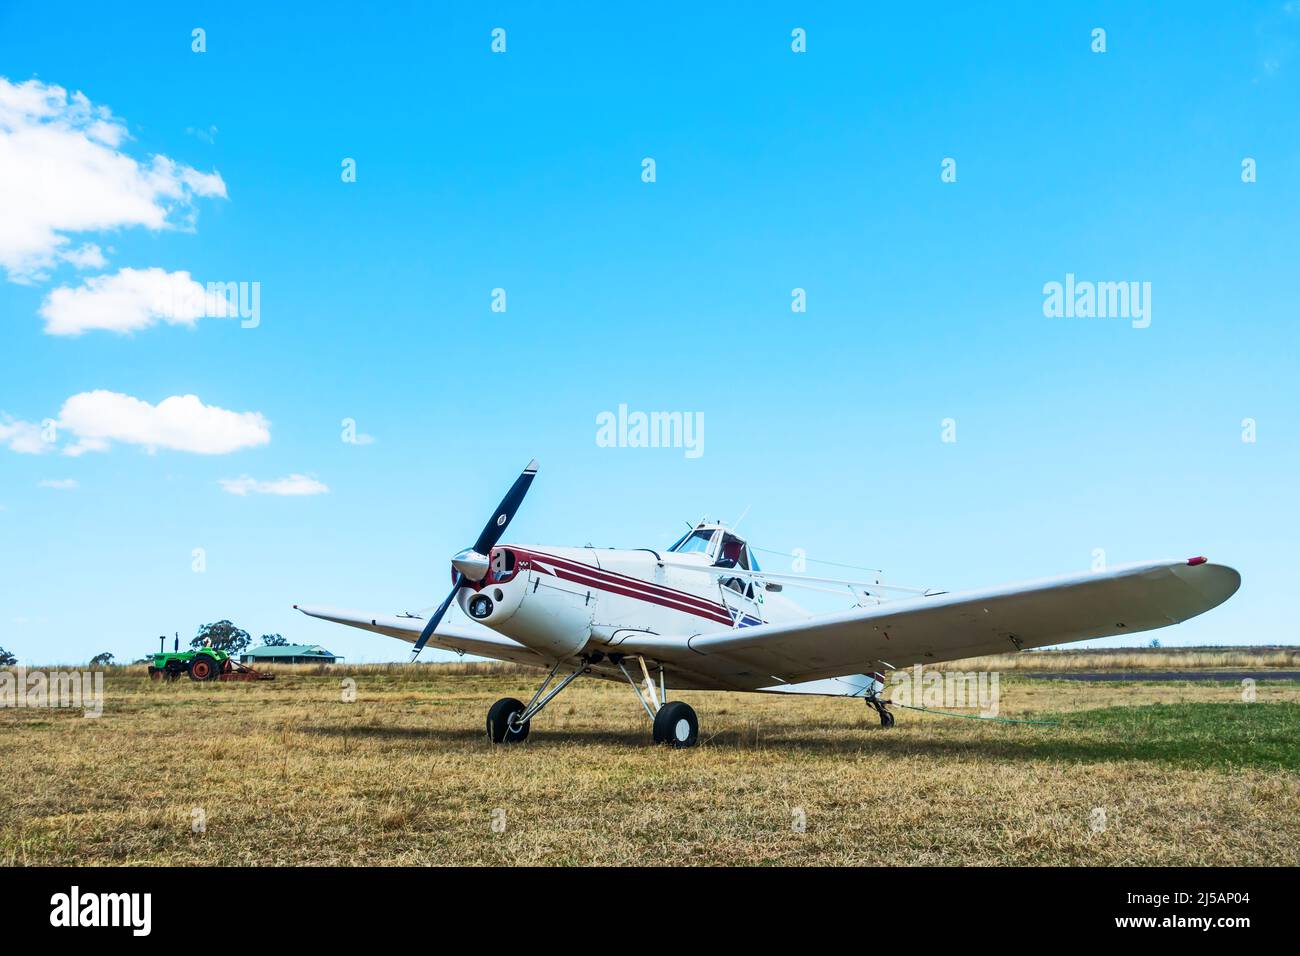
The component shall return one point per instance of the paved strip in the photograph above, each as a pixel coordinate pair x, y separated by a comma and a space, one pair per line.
1234, 676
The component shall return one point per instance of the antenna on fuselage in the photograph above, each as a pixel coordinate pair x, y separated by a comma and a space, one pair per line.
741, 518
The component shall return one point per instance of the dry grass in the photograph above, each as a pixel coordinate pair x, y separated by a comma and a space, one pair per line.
1093, 659
287, 773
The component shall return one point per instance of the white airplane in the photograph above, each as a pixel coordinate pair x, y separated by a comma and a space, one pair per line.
701, 615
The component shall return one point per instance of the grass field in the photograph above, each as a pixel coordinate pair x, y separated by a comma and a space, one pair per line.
286, 772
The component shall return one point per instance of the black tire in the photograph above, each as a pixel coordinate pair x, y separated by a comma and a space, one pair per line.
676, 726
886, 720
498, 722
203, 668
155, 674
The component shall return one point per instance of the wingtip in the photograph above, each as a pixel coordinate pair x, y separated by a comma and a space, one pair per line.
532, 466
1215, 583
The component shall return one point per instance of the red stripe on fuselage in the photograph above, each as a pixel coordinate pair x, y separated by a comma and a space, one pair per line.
626, 581
631, 587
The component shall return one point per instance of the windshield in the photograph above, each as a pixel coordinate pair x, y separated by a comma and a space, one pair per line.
697, 542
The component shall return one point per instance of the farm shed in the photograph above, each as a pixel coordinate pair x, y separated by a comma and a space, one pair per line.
288, 654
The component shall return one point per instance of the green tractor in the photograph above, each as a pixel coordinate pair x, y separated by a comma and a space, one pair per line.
204, 664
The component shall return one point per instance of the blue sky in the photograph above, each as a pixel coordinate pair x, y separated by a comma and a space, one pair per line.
774, 171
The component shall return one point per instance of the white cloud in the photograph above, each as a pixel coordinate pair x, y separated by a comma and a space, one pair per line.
133, 299
62, 172
26, 438
293, 485
179, 423
87, 256
94, 421
60, 484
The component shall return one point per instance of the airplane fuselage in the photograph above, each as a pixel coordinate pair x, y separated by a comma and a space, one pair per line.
559, 601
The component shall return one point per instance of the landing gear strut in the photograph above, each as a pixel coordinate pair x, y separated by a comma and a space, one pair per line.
508, 720
674, 723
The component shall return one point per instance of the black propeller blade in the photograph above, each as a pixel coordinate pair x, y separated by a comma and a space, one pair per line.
432, 626
495, 528
476, 562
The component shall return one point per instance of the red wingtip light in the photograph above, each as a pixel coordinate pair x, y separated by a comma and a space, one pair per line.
1195, 561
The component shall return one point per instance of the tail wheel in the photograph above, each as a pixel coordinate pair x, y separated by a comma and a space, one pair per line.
499, 720
202, 668
886, 718
676, 726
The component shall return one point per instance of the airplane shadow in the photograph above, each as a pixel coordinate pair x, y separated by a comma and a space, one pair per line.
996, 744
478, 735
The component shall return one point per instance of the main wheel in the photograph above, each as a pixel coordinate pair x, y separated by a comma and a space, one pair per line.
203, 668
498, 722
676, 726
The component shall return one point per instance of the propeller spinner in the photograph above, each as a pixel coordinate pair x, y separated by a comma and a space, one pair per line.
472, 563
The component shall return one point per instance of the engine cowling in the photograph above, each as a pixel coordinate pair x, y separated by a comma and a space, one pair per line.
530, 608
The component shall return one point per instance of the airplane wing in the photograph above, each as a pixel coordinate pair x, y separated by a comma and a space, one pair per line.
944, 627
483, 642
480, 641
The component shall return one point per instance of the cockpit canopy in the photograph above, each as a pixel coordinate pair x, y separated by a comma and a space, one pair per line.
720, 546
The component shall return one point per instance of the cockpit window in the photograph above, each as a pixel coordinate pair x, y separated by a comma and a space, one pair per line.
735, 554
697, 542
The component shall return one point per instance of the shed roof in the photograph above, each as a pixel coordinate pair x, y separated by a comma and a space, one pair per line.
287, 650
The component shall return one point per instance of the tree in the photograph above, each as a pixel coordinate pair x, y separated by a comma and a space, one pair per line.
273, 640
225, 637
101, 660
7, 659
